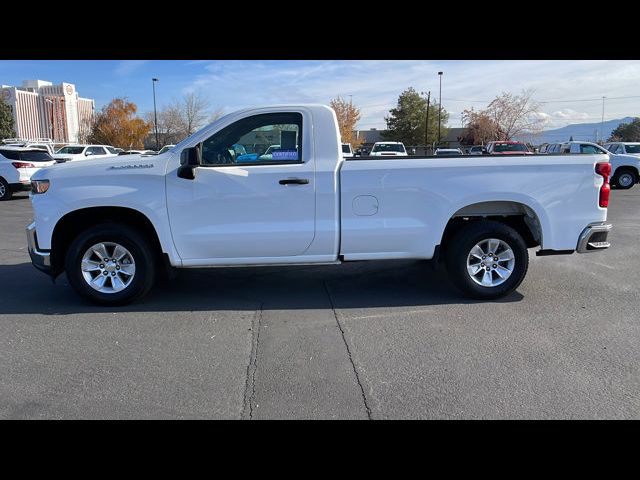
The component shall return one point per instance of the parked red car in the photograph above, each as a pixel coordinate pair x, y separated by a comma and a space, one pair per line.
507, 148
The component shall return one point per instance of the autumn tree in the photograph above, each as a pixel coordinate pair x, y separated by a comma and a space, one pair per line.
117, 125
479, 128
347, 115
406, 122
626, 132
6, 121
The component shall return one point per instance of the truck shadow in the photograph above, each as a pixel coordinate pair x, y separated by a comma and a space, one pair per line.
412, 283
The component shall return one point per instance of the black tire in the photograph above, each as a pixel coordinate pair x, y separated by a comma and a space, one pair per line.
141, 251
5, 190
459, 250
629, 178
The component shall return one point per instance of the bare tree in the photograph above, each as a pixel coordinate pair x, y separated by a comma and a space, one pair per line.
505, 117
216, 114
515, 114
170, 123
348, 115
194, 111
85, 128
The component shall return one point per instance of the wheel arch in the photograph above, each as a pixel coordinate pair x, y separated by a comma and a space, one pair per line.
520, 216
75, 222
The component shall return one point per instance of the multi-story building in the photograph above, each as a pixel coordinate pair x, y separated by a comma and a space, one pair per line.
43, 110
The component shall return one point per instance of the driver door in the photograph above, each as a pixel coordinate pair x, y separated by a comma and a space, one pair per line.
257, 205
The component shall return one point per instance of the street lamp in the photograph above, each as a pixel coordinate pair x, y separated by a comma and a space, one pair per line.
155, 113
439, 105
602, 122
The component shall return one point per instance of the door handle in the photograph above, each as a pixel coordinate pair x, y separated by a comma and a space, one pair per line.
294, 181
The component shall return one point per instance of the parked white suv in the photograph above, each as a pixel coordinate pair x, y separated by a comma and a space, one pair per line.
625, 167
383, 149
84, 152
624, 148
17, 164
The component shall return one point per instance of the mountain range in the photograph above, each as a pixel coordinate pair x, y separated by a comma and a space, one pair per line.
579, 131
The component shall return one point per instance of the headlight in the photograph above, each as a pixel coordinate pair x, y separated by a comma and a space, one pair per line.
39, 186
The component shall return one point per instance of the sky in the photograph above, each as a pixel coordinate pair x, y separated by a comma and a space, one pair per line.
571, 91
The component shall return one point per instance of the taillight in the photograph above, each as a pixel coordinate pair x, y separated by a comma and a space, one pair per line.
23, 165
604, 170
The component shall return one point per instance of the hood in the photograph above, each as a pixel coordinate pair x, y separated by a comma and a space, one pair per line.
100, 166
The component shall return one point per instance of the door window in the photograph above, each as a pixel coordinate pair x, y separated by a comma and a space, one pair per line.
96, 150
589, 149
270, 138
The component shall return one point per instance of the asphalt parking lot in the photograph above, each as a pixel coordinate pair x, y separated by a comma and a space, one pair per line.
364, 340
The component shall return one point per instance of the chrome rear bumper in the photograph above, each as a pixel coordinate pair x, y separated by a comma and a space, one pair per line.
594, 238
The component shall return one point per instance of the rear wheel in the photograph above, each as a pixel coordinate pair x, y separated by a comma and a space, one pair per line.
110, 264
487, 259
5, 190
625, 179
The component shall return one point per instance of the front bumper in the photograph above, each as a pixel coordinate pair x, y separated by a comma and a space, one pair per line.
594, 237
20, 187
39, 258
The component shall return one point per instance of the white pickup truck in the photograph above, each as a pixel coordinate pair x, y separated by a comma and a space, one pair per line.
113, 223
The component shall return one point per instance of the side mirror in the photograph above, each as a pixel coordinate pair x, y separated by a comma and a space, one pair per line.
190, 159
86, 154
484, 151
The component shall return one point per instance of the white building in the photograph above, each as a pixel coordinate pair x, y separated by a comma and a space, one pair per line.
43, 110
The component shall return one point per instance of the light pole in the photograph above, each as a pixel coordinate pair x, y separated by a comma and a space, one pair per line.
439, 105
426, 123
155, 112
602, 122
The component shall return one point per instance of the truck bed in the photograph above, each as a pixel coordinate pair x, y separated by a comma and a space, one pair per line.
398, 207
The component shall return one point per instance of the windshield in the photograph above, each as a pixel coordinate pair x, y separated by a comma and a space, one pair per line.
36, 156
164, 149
71, 150
388, 147
510, 147
112, 150
633, 148
346, 149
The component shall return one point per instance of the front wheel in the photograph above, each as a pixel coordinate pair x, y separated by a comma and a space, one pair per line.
487, 259
110, 264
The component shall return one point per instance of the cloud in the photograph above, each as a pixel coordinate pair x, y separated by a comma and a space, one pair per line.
128, 67
376, 84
